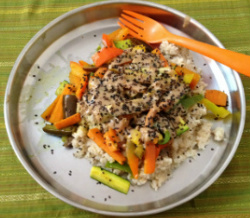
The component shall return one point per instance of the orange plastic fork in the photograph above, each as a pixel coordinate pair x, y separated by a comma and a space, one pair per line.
151, 31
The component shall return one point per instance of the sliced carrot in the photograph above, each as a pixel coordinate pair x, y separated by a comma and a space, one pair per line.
182, 71
98, 138
149, 161
57, 113
217, 97
74, 80
105, 54
161, 56
78, 77
112, 139
47, 113
133, 160
114, 136
82, 88
100, 72
69, 121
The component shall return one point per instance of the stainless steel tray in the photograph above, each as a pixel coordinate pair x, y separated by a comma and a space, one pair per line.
44, 62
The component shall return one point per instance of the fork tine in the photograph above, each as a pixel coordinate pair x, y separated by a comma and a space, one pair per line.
130, 25
138, 16
133, 20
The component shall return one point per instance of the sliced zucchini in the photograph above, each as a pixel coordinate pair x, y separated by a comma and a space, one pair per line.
110, 179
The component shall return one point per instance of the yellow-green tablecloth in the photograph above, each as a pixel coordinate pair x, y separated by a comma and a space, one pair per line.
21, 196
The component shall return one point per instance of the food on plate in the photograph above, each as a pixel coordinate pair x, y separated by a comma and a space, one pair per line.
136, 112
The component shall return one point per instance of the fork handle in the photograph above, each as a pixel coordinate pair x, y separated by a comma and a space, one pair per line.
234, 60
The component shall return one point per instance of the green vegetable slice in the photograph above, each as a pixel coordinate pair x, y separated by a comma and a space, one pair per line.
110, 179
115, 165
51, 129
165, 139
191, 101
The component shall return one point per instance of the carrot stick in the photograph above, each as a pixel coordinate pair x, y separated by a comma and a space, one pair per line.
47, 113
133, 160
57, 113
98, 138
69, 121
149, 161
113, 146
112, 139
82, 88
74, 80
217, 97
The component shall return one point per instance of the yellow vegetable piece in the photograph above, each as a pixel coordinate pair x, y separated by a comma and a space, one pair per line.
139, 48
188, 78
219, 112
135, 137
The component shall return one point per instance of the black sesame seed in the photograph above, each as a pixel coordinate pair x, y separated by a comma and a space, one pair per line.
54, 172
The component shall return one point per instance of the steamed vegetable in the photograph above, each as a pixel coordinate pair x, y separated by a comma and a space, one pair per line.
191, 101
219, 112
110, 179
217, 97
47, 113
98, 138
133, 160
58, 112
51, 129
116, 165
165, 139
105, 54
69, 121
69, 105
149, 161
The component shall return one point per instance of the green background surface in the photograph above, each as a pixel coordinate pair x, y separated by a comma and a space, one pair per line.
21, 196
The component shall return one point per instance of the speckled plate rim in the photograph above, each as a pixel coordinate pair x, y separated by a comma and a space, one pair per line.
49, 188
